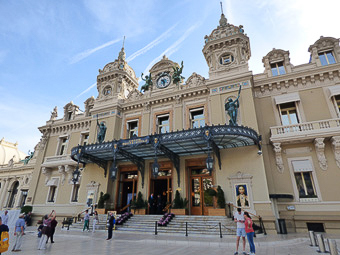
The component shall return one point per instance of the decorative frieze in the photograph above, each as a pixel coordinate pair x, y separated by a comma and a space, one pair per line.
336, 149
320, 152
278, 157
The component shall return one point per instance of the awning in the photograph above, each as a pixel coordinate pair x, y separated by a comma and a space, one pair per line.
171, 145
287, 98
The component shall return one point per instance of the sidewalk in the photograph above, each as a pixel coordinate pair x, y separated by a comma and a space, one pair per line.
76, 242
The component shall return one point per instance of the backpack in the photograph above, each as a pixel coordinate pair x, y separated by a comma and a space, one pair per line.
4, 241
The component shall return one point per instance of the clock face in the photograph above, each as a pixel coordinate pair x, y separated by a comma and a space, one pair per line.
163, 81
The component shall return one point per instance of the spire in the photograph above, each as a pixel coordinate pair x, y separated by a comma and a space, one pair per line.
122, 54
223, 19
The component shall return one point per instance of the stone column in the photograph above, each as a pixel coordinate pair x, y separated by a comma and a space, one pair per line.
18, 195
4, 192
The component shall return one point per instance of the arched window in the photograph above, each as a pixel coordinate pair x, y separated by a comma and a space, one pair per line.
12, 194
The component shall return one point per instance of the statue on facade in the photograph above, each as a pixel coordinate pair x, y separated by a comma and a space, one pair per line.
54, 114
28, 158
177, 77
101, 131
148, 82
231, 107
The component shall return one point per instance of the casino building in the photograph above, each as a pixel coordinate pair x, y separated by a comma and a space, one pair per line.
284, 151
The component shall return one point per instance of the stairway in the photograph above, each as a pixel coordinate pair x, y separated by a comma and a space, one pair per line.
197, 225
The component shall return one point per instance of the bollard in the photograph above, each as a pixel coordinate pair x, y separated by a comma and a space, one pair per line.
321, 243
220, 230
186, 228
312, 238
333, 249
155, 227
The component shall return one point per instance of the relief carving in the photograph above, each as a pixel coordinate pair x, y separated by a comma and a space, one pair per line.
278, 157
336, 149
47, 172
195, 80
320, 152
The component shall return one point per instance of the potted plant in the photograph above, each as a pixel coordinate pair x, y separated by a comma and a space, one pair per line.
139, 205
220, 211
101, 202
179, 206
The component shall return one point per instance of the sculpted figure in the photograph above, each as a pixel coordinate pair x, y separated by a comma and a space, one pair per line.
101, 132
148, 82
54, 114
177, 77
231, 107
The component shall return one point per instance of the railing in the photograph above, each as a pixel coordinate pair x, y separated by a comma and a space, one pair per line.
124, 208
305, 127
91, 208
167, 207
254, 215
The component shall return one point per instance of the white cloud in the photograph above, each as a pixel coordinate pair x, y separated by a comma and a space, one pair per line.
152, 44
86, 53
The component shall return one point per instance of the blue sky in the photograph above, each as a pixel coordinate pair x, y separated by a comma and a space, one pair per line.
50, 51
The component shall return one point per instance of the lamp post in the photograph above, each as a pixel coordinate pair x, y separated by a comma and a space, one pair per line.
155, 168
209, 163
76, 172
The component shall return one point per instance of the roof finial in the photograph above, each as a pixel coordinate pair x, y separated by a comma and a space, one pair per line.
123, 41
223, 20
221, 7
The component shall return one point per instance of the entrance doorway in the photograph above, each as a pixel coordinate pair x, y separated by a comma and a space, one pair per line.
201, 183
161, 186
127, 190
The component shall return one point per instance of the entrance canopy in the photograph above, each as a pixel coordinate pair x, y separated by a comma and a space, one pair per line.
171, 145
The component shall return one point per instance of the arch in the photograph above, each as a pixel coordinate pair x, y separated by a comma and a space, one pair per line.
12, 194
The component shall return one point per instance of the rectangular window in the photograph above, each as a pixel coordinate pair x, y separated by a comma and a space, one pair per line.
75, 193
51, 194
132, 128
63, 146
278, 68
197, 118
163, 124
85, 139
326, 58
69, 115
288, 112
303, 173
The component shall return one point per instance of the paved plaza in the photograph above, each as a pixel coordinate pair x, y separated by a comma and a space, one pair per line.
76, 242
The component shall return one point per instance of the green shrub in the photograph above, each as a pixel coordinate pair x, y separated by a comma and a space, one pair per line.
140, 203
102, 198
26, 209
179, 203
220, 197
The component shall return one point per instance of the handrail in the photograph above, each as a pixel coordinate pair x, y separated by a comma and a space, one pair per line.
124, 208
257, 216
166, 208
81, 212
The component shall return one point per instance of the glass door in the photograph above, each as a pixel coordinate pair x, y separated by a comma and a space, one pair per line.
201, 200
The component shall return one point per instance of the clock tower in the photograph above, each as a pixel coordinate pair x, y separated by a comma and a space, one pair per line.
226, 50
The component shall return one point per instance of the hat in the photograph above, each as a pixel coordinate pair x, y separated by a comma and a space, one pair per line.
22, 215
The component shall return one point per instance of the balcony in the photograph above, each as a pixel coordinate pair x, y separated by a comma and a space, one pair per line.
305, 132
54, 161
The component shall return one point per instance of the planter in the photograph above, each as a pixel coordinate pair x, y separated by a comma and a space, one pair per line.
179, 211
139, 211
101, 211
216, 212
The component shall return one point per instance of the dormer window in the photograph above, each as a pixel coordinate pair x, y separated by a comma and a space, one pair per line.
278, 68
226, 59
326, 58
69, 115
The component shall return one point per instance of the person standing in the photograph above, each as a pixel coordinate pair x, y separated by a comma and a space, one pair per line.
250, 232
152, 204
54, 223
19, 232
86, 221
28, 219
5, 218
110, 227
240, 231
95, 221
46, 231
3, 228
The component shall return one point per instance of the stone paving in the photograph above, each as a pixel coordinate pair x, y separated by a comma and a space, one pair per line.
77, 242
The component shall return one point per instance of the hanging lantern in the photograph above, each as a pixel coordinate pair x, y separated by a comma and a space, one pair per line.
155, 168
209, 163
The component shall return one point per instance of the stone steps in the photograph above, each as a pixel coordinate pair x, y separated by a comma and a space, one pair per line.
201, 225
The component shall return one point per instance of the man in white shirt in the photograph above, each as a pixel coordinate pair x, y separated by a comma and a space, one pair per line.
5, 218
240, 231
